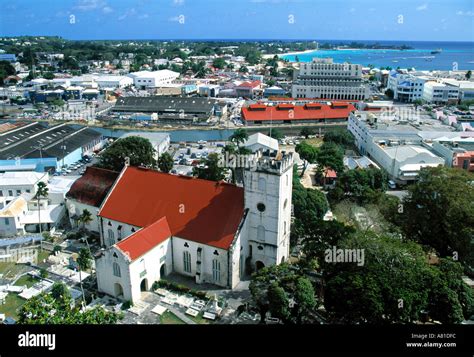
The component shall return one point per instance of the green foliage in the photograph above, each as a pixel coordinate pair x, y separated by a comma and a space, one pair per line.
341, 137
85, 217
306, 132
239, 136
179, 289
219, 63
439, 212
44, 273
275, 134
165, 162
272, 289
307, 152
84, 260
45, 309
213, 169
6, 69
330, 155
389, 93
139, 150
60, 291
360, 185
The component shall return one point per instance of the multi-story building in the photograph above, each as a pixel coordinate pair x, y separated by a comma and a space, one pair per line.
406, 87
322, 78
457, 152
440, 93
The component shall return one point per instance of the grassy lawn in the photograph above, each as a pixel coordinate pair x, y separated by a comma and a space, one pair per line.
314, 141
361, 217
12, 303
168, 318
27, 280
10, 270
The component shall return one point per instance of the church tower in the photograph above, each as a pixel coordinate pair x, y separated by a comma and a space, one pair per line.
268, 187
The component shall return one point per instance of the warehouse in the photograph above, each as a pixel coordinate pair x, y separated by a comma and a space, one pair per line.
334, 112
169, 108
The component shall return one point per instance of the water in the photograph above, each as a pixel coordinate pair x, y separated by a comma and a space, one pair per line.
175, 135
454, 55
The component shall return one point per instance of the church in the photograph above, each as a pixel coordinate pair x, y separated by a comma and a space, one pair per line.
153, 223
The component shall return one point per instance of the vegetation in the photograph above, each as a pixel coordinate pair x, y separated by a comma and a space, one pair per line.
138, 150
341, 137
84, 262
165, 162
6, 69
211, 169
308, 153
41, 193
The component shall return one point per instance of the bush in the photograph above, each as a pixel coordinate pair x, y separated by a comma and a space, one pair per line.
44, 273
57, 248
178, 288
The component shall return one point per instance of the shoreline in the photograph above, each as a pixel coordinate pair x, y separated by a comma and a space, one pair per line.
297, 53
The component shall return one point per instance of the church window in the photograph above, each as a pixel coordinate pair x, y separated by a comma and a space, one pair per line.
261, 233
187, 262
111, 237
261, 207
116, 268
216, 271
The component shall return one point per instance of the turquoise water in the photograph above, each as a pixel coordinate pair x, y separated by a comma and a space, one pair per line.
454, 55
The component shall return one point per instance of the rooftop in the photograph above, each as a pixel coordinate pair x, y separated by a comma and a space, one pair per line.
203, 211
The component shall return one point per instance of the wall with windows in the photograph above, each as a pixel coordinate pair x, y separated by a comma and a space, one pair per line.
113, 232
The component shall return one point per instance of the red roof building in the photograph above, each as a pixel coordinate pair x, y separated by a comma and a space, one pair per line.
203, 211
92, 188
290, 113
145, 239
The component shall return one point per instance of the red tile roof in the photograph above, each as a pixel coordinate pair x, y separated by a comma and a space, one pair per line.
308, 111
92, 188
145, 239
203, 211
252, 84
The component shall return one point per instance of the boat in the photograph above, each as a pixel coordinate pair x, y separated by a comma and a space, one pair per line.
394, 61
438, 50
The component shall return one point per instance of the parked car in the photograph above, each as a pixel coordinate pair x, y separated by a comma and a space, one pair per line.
392, 185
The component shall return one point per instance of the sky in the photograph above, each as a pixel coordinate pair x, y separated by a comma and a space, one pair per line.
396, 20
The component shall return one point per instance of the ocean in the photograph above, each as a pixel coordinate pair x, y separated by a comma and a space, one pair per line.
454, 55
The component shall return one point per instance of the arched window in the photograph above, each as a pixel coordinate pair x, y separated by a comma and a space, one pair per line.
116, 268
261, 233
111, 237
287, 180
216, 271
262, 184
284, 227
187, 262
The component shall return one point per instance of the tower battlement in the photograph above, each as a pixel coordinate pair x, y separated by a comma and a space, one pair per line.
274, 162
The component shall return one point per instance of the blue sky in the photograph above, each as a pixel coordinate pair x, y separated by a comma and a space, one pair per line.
437, 20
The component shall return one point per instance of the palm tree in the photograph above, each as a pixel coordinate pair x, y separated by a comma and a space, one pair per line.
41, 192
84, 262
239, 136
86, 218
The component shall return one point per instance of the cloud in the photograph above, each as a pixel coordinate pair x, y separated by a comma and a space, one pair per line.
465, 13
144, 16
174, 19
422, 7
128, 13
178, 2
352, 9
89, 5
107, 10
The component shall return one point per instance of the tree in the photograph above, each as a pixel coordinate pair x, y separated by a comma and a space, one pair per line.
468, 74
330, 156
84, 262
219, 63
306, 132
48, 75
60, 291
139, 150
45, 309
165, 162
239, 136
41, 193
6, 69
308, 153
284, 291
85, 218
389, 93
212, 169
275, 134
340, 137
439, 212
243, 69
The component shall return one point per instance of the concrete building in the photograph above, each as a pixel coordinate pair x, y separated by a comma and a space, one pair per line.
154, 223
440, 93
14, 184
457, 152
466, 88
113, 82
406, 87
259, 141
149, 79
322, 78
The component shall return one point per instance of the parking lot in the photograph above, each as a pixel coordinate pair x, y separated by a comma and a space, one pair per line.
78, 168
186, 156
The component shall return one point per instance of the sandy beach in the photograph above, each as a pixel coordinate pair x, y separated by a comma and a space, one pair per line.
287, 54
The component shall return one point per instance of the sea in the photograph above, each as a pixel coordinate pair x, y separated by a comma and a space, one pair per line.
453, 55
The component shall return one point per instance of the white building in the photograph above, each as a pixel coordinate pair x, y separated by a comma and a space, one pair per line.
149, 79
113, 82
16, 183
406, 87
259, 141
322, 78
153, 224
466, 88
440, 93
